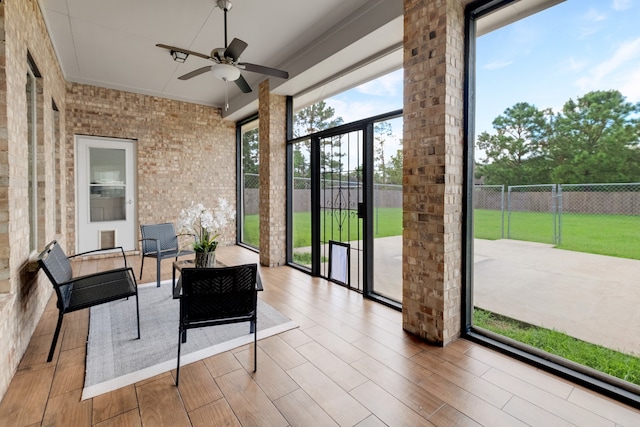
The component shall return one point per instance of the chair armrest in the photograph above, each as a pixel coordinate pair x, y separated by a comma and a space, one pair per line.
103, 250
157, 244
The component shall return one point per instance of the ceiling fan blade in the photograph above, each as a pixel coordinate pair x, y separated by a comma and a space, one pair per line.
179, 49
264, 70
235, 49
243, 85
195, 73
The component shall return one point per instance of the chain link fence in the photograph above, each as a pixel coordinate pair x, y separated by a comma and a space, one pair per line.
571, 216
488, 211
605, 218
598, 218
532, 213
251, 193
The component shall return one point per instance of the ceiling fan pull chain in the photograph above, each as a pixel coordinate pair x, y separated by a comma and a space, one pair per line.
226, 96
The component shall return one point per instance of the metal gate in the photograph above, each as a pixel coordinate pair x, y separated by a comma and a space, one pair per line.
341, 203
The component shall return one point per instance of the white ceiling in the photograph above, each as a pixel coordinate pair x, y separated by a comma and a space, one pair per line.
112, 44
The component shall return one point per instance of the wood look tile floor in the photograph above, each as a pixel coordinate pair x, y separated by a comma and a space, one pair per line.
349, 364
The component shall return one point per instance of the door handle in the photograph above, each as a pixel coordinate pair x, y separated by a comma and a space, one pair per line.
361, 210
130, 201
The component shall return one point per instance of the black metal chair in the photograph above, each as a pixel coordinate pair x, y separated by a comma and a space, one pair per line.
77, 293
160, 241
217, 296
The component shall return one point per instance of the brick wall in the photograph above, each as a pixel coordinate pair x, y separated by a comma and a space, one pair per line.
185, 152
23, 293
433, 168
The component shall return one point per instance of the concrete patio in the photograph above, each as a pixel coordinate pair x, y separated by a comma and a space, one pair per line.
591, 297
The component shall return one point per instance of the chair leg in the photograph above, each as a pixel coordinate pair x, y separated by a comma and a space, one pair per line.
178, 367
158, 260
138, 315
141, 267
255, 346
55, 337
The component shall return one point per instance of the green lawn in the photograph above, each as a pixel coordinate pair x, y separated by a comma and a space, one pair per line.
252, 230
603, 359
613, 235
387, 222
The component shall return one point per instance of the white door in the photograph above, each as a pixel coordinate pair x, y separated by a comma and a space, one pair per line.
105, 193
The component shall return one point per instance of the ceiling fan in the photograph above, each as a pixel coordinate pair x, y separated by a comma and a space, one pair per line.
226, 65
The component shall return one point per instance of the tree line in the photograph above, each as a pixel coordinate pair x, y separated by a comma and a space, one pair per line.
315, 118
594, 139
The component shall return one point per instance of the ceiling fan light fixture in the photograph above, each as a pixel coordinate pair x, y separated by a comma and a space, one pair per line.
224, 4
226, 72
179, 56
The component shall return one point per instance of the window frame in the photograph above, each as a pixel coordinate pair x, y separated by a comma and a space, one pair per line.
35, 170
590, 378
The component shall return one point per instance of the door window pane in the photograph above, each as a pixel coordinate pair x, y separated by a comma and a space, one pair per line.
107, 185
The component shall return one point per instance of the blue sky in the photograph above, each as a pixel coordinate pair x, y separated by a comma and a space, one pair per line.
560, 53
376, 97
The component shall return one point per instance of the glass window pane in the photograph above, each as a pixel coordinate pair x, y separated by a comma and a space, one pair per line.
31, 143
387, 209
555, 225
301, 203
250, 189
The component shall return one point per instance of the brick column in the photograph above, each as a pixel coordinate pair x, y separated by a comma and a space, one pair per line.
273, 140
5, 238
433, 168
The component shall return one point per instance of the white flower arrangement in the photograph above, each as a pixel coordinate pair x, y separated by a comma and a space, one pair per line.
206, 224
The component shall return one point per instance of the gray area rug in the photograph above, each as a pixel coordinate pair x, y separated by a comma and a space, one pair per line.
115, 358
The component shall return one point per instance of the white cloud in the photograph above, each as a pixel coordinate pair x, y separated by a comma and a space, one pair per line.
497, 64
573, 65
631, 88
620, 71
621, 4
592, 23
351, 111
386, 85
593, 15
